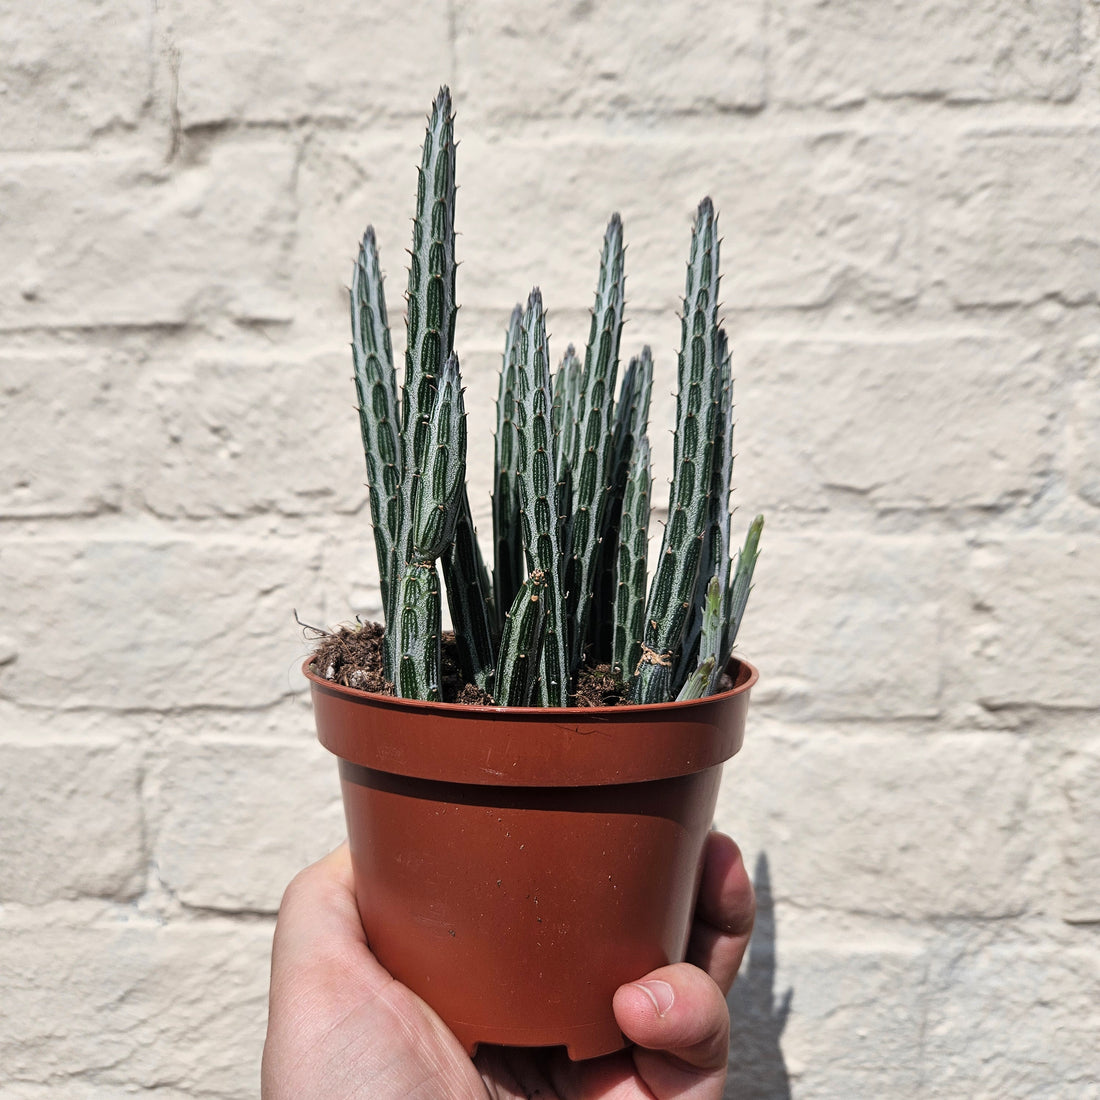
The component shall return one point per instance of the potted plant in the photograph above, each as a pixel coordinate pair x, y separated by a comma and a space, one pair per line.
521, 846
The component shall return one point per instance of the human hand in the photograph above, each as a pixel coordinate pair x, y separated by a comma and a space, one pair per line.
341, 1027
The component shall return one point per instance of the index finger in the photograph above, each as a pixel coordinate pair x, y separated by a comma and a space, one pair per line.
318, 918
724, 913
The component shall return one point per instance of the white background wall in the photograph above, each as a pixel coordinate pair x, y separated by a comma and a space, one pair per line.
912, 258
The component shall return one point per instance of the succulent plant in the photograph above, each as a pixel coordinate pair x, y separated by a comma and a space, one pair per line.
572, 484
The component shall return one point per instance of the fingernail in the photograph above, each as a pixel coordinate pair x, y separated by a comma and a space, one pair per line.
660, 993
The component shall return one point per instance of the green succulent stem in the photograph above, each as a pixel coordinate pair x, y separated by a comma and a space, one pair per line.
566, 381
537, 489
443, 474
592, 438
712, 631
417, 632
630, 573
716, 540
507, 540
631, 423
738, 593
430, 317
521, 643
472, 614
672, 590
376, 390
695, 686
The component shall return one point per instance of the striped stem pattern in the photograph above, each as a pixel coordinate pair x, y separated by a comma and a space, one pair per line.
711, 633
697, 402
631, 422
443, 476
592, 437
507, 541
418, 632
716, 540
376, 390
630, 573
739, 590
521, 643
536, 486
472, 613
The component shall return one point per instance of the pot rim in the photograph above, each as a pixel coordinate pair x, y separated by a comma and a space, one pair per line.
744, 678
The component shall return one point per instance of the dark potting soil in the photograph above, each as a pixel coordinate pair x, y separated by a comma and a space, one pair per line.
352, 656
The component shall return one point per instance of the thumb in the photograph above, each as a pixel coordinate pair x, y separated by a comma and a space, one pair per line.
679, 1020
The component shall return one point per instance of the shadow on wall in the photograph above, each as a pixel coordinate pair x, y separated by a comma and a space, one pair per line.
757, 1070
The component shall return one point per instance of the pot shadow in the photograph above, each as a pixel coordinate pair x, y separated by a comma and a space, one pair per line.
757, 1069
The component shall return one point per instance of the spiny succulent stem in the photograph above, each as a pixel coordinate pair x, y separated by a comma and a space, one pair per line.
417, 632
738, 593
443, 474
507, 538
521, 644
695, 686
376, 389
536, 488
631, 422
429, 326
472, 615
630, 573
592, 438
716, 539
697, 409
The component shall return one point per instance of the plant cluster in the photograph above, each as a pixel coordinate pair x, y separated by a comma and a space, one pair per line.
571, 487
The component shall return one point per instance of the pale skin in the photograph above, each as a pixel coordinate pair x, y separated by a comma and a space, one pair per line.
340, 1027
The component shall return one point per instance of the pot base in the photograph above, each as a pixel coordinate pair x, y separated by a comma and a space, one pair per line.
583, 1042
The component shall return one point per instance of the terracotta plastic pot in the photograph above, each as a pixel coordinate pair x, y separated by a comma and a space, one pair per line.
514, 867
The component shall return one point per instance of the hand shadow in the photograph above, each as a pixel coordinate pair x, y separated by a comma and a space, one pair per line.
757, 1070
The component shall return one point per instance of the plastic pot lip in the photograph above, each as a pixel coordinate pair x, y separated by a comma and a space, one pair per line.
531, 746
743, 674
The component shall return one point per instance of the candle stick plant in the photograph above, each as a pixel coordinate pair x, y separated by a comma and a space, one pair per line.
572, 484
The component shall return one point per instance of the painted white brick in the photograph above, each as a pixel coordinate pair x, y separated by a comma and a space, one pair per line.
277, 60
129, 1003
286, 721
70, 822
1035, 601
233, 822
1084, 424
899, 826
912, 424
71, 449
347, 181
832, 211
601, 59
1012, 1019
349, 584
166, 623
845, 625
84, 1089
840, 54
1014, 219
855, 1019
125, 240
256, 435
54, 59
1081, 835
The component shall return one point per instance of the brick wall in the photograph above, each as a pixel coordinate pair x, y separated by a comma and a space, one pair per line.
912, 257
